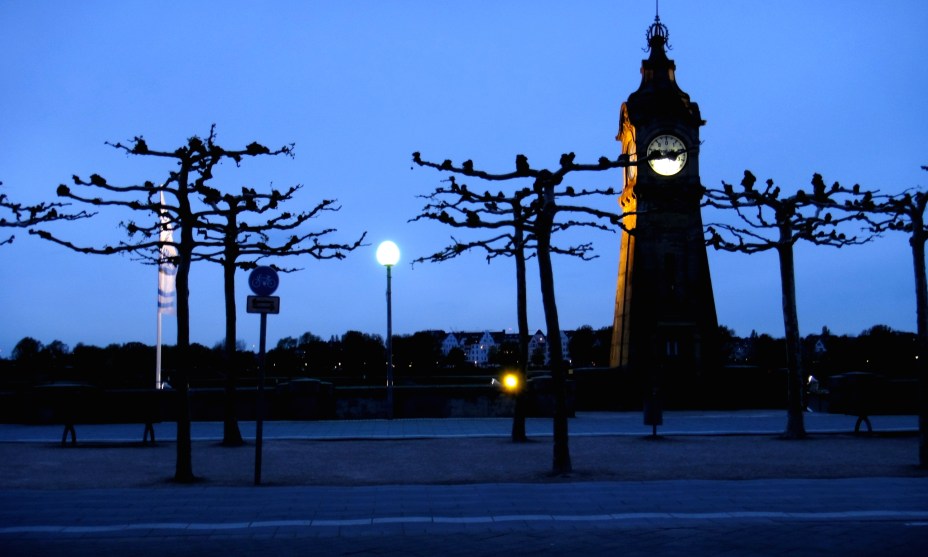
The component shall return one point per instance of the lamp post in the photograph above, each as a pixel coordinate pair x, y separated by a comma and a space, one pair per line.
388, 254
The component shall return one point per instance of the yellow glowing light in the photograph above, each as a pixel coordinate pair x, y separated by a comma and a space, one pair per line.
511, 382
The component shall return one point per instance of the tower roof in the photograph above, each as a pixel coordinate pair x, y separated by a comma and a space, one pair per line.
658, 95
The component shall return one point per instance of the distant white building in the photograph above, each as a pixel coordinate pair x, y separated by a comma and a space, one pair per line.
449, 343
478, 346
540, 342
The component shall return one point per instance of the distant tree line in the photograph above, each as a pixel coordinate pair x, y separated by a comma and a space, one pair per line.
357, 358
116, 366
879, 349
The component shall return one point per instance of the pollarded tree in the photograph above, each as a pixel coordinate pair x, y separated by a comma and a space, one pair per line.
510, 220
771, 221
25, 216
236, 244
195, 163
906, 213
227, 238
541, 223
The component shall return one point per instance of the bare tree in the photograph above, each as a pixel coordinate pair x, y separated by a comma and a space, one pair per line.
228, 240
509, 219
225, 238
195, 163
25, 216
542, 211
770, 221
906, 213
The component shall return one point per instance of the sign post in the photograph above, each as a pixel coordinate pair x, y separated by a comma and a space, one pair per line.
263, 282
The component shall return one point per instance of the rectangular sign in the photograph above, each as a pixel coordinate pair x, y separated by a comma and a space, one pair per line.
263, 304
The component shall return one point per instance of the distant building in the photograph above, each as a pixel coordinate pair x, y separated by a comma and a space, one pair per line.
820, 348
449, 343
478, 346
740, 350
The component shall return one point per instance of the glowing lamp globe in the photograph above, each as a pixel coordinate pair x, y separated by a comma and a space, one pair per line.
511, 382
388, 254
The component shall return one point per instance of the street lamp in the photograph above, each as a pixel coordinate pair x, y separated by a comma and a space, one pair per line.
388, 254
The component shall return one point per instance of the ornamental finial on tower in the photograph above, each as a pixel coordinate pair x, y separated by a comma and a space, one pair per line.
658, 36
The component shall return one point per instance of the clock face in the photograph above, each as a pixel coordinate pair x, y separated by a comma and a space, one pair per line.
631, 171
670, 153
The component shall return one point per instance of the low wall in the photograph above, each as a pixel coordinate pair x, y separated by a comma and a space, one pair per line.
423, 402
296, 400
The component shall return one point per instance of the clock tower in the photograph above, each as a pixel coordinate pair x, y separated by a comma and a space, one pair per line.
665, 325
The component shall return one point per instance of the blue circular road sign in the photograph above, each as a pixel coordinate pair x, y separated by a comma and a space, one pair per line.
263, 281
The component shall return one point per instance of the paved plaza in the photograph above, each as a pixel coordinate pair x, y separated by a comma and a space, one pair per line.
747, 422
720, 484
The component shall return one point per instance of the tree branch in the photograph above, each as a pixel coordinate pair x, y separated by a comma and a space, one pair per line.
788, 219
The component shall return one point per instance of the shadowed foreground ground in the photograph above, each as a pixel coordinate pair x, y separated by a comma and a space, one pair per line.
461, 460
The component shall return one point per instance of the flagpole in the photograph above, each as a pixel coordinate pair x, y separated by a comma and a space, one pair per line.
158, 354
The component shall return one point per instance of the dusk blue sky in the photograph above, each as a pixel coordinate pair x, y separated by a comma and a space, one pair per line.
787, 88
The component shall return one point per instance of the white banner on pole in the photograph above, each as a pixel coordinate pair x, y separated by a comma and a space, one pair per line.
167, 291
167, 270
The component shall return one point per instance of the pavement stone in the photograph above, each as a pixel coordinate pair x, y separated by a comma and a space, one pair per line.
793, 498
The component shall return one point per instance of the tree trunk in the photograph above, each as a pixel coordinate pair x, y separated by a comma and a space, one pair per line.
921, 311
518, 418
795, 429
231, 435
543, 223
183, 471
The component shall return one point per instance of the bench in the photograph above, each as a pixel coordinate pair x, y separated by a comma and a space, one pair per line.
72, 404
855, 393
148, 432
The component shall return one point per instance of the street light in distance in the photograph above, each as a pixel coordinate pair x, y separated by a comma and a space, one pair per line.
388, 255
